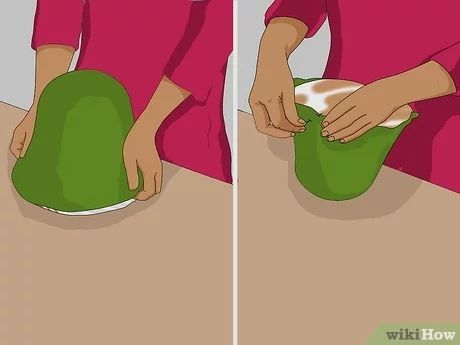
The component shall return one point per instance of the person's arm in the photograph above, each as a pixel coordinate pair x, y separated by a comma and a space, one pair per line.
195, 65
139, 150
51, 61
55, 38
167, 97
281, 37
310, 12
430, 80
449, 59
374, 103
272, 96
200, 59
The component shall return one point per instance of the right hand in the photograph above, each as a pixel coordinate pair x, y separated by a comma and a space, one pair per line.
272, 98
140, 153
22, 135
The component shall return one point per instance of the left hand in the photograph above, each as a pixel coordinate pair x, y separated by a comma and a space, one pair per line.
140, 152
362, 110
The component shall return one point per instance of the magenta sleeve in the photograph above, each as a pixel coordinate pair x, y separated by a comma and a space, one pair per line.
57, 22
201, 57
449, 58
310, 12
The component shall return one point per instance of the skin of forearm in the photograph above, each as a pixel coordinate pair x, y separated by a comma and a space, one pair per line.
426, 81
282, 36
167, 97
51, 61
430, 80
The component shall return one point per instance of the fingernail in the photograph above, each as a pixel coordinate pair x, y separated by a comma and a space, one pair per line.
301, 130
342, 141
324, 133
331, 138
292, 134
325, 123
302, 121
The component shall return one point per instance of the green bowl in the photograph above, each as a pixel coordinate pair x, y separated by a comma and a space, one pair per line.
74, 164
335, 171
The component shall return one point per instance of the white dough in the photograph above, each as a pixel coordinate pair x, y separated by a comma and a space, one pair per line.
317, 100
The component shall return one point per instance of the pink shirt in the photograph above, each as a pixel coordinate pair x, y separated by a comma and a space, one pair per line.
375, 39
138, 42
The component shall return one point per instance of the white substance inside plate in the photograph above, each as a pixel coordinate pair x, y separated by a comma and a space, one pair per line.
93, 212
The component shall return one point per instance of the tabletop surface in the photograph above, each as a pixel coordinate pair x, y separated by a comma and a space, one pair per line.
320, 272
157, 272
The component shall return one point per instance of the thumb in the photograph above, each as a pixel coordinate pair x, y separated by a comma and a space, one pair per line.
27, 140
290, 109
131, 172
16, 144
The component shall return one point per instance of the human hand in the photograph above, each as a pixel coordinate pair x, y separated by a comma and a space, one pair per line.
272, 96
272, 101
139, 152
22, 134
367, 107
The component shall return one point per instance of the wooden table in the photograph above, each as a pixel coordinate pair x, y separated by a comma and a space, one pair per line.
157, 272
319, 272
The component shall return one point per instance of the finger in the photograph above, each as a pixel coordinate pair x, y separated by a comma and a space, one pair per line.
278, 133
278, 117
336, 112
343, 122
290, 110
275, 112
143, 196
159, 181
16, 153
131, 172
357, 134
16, 145
260, 115
149, 185
262, 122
352, 129
27, 140
15, 150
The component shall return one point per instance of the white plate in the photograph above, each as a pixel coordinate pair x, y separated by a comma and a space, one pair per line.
93, 212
